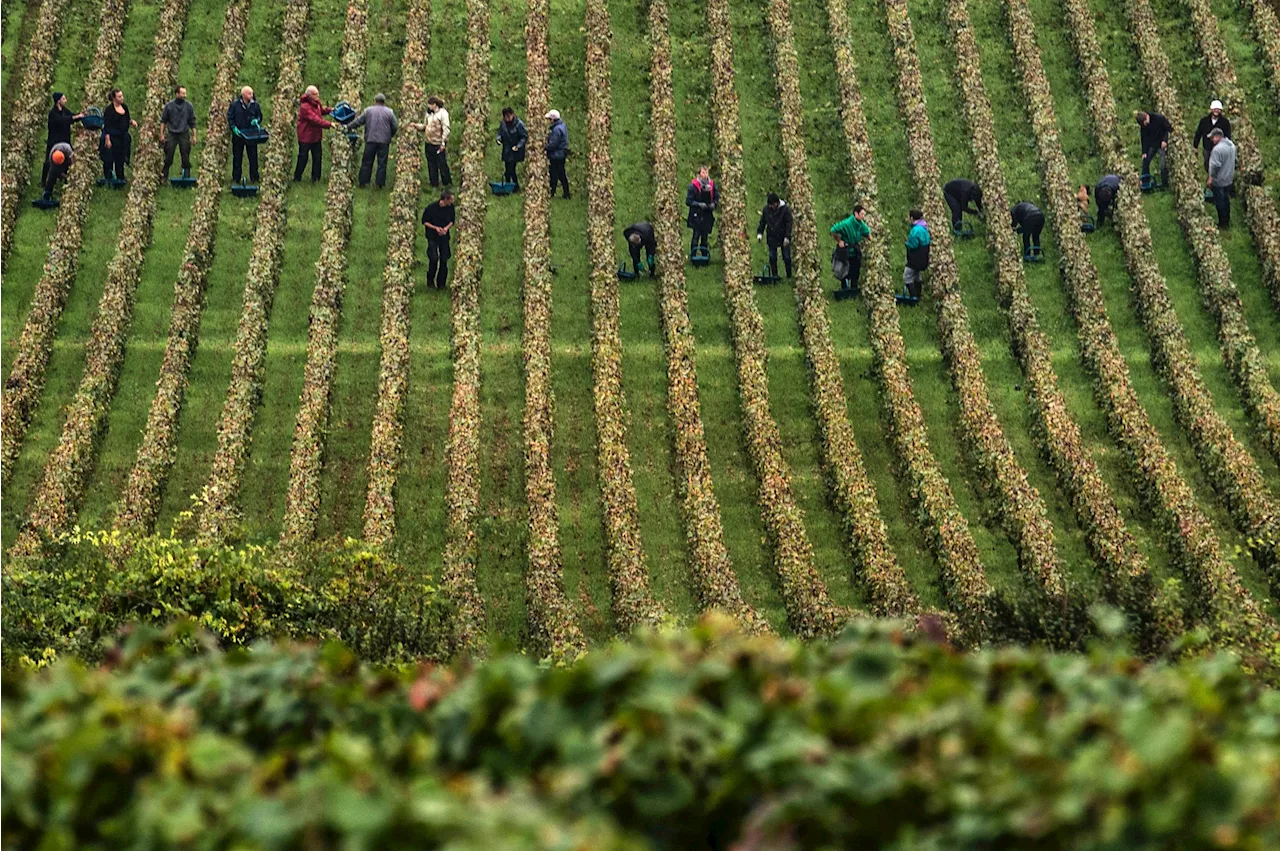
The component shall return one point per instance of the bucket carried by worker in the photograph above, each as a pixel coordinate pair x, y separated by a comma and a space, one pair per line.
92, 119
503, 187
344, 113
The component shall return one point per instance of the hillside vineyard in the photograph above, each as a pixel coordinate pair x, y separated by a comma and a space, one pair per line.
579, 434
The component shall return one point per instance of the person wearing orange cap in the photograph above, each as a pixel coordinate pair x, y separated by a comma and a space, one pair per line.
57, 164
1215, 120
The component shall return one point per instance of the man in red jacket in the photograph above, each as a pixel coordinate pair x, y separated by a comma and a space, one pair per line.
311, 127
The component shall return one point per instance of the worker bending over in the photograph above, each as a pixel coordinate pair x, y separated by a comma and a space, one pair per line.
1028, 220
959, 194
641, 235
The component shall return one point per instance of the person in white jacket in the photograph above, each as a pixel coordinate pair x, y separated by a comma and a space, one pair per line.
436, 127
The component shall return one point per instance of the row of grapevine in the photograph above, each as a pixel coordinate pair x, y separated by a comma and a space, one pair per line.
67, 470
462, 452
306, 460
1128, 580
1259, 206
810, 611
219, 499
1228, 464
713, 574
1266, 28
888, 589
1019, 504
21, 391
397, 287
552, 623
633, 603
23, 123
156, 454
1230, 613
964, 578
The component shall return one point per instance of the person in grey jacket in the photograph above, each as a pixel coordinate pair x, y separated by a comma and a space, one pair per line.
1222, 174
380, 125
557, 151
178, 124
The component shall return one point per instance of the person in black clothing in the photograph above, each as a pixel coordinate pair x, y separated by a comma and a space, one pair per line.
777, 222
1105, 193
701, 199
958, 195
243, 115
1029, 221
437, 221
641, 235
60, 121
59, 163
115, 146
1215, 120
1155, 130
178, 124
513, 136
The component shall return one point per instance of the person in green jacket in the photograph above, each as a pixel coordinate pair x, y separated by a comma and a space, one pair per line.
849, 235
918, 241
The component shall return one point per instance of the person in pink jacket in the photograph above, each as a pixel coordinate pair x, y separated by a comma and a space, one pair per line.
311, 127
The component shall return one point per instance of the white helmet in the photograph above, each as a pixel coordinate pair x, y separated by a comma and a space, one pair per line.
1217, 104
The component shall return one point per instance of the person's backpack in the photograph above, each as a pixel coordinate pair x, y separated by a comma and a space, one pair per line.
840, 263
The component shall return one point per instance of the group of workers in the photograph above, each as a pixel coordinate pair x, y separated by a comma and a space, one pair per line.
776, 223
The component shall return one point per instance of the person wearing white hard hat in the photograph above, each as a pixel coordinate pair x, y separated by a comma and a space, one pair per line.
1215, 120
557, 151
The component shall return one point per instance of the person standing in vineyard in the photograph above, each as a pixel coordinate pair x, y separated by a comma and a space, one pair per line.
557, 151
701, 199
178, 124
1222, 173
849, 235
1154, 130
243, 115
918, 241
437, 221
436, 127
1215, 120
380, 125
777, 223
115, 146
311, 127
513, 136
60, 121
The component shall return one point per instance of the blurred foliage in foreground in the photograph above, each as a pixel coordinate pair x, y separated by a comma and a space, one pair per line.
696, 739
101, 582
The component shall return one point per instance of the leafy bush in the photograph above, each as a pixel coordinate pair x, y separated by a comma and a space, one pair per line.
69, 605
703, 739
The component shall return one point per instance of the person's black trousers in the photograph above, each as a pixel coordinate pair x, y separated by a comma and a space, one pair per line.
559, 175
635, 256
44, 172
114, 162
509, 172
1148, 156
699, 239
437, 166
1032, 227
1104, 199
180, 142
773, 258
310, 150
52, 173
437, 262
372, 150
855, 267
239, 147
1222, 203
957, 209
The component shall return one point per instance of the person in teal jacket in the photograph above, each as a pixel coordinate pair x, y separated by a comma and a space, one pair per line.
918, 240
849, 235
